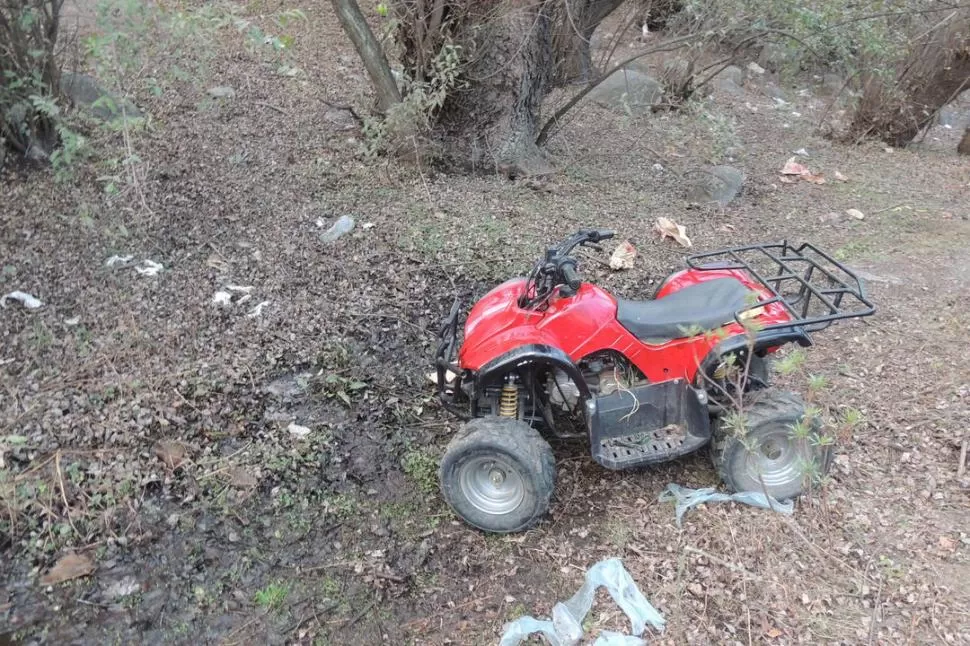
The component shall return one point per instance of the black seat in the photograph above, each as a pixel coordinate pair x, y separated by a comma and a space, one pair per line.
707, 306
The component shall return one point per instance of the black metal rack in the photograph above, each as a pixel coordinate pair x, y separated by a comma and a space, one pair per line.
814, 288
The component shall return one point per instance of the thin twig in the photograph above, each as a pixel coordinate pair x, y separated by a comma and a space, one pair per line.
676, 43
962, 465
875, 613
272, 107
60, 482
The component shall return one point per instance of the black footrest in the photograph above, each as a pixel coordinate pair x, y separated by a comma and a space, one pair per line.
646, 424
646, 447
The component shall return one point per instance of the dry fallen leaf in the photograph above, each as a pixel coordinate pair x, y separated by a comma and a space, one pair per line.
839, 176
792, 167
623, 256
785, 179
773, 633
855, 213
69, 566
814, 179
173, 454
667, 228
947, 543
243, 479
217, 262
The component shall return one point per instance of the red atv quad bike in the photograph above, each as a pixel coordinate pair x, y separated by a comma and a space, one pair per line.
646, 381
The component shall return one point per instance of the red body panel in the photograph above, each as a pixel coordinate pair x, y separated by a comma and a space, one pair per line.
586, 323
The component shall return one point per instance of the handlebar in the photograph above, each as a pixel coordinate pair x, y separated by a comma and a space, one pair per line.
558, 268
570, 276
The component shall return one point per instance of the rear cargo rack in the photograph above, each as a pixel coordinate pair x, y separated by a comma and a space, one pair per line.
815, 289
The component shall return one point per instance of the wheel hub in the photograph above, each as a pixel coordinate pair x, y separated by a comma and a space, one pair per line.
492, 485
775, 461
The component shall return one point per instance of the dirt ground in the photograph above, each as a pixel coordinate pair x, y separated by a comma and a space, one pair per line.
152, 431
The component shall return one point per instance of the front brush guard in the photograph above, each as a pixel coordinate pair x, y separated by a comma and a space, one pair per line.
449, 392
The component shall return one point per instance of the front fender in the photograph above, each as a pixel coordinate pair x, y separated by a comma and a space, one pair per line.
532, 354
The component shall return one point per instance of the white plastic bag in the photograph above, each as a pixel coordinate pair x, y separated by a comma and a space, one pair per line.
687, 498
566, 627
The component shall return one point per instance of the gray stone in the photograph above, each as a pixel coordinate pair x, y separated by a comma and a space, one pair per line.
732, 73
948, 116
775, 92
628, 91
341, 119
720, 184
84, 91
773, 57
729, 80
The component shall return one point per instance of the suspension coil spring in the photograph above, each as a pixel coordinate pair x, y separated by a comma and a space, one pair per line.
508, 405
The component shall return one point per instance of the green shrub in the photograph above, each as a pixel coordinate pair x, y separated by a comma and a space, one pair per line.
29, 75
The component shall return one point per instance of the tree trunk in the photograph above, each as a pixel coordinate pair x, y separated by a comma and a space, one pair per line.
573, 29
492, 122
354, 23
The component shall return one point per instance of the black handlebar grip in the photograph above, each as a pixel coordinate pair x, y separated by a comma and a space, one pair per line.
570, 276
605, 234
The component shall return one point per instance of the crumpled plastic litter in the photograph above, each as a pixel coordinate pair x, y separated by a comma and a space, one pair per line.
687, 498
225, 296
610, 638
117, 260
25, 299
566, 626
149, 267
257, 310
344, 224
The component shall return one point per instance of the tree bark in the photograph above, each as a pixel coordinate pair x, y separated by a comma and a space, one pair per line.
370, 52
492, 123
573, 29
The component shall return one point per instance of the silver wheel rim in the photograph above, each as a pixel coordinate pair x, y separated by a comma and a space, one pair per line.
492, 485
774, 460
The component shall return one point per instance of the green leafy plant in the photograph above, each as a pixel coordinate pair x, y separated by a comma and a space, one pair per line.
29, 76
272, 596
410, 119
422, 468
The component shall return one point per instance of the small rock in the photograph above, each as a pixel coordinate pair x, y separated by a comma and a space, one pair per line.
754, 68
84, 91
122, 588
729, 80
720, 184
948, 116
233, 536
628, 91
222, 92
341, 119
773, 56
297, 430
775, 92
855, 213
732, 73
